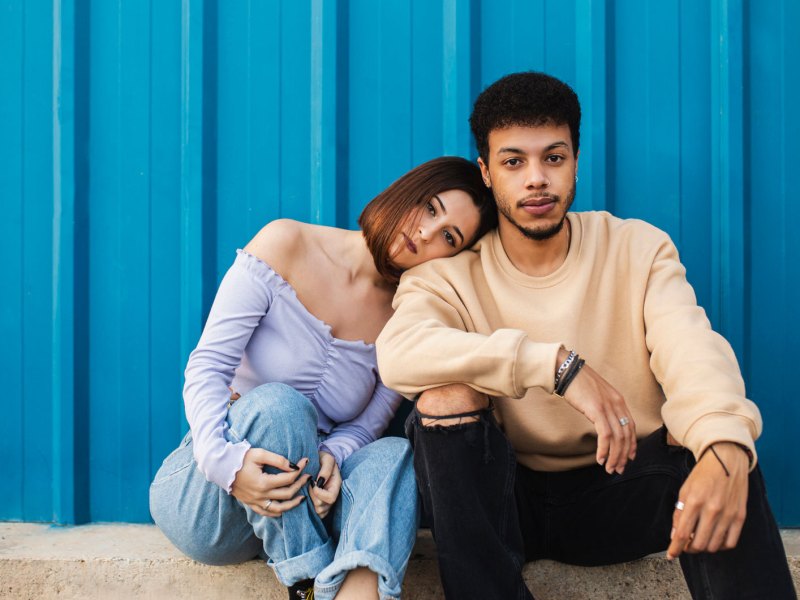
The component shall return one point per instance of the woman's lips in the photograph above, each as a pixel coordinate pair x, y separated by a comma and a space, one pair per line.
412, 247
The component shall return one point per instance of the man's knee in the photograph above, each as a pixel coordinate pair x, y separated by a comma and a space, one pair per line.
453, 399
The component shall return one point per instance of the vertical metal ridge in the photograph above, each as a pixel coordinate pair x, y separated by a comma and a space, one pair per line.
591, 60
323, 109
63, 274
148, 407
727, 160
457, 74
341, 148
191, 280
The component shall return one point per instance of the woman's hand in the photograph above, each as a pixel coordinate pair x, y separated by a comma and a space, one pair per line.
269, 495
325, 489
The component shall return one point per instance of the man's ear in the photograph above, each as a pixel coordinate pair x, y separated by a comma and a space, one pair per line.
487, 180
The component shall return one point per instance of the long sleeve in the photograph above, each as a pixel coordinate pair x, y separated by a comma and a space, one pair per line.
696, 366
345, 438
431, 341
241, 302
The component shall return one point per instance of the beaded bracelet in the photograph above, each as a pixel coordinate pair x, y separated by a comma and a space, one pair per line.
564, 366
569, 376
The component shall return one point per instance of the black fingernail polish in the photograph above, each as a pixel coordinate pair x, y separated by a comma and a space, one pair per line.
321, 482
312, 483
293, 466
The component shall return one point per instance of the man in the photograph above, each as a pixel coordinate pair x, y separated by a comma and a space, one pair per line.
539, 358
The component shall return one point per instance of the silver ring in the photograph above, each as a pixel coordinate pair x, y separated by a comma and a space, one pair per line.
623, 421
679, 505
266, 506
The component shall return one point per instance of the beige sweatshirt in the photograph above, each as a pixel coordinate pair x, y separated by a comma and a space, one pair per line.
620, 300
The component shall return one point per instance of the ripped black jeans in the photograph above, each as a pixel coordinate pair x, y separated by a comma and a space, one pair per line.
490, 515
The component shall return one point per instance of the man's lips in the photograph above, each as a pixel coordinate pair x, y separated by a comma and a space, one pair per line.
412, 247
539, 205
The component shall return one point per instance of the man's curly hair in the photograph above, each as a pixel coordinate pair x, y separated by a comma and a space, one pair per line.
529, 99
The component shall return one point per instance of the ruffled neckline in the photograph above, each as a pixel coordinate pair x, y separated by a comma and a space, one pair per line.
324, 328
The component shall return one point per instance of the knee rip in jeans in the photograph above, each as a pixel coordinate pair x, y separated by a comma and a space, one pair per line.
453, 420
453, 423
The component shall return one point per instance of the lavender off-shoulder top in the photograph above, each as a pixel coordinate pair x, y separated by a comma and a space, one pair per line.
259, 332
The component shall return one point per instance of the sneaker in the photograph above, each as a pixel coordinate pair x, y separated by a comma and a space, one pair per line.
302, 590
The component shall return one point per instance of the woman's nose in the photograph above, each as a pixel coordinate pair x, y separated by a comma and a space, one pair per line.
424, 233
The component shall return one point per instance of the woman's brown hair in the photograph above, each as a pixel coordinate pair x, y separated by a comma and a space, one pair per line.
385, 213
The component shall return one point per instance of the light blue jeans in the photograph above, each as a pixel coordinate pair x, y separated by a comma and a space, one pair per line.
373, 523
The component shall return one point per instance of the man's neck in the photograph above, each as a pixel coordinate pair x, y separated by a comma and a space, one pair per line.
536, 258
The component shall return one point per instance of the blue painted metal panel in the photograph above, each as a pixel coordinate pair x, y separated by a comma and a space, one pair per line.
38, 451
12, 299
771, 156
141, 143
164, 296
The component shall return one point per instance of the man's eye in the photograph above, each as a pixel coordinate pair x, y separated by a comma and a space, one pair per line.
431, 208
513, 162
554, 158
449, 238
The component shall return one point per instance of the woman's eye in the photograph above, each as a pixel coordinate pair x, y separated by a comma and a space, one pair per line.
449, 238
431, 208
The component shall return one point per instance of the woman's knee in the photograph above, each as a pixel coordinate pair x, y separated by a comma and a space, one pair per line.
277, 418
276, 401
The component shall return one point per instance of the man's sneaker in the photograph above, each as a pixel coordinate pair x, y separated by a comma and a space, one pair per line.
302, 590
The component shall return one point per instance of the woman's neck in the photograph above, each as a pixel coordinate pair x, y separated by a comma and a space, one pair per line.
359, 261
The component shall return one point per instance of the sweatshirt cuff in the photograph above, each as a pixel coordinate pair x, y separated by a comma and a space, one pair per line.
721, 427
535, 366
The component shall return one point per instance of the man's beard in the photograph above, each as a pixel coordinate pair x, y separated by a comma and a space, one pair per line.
540, 234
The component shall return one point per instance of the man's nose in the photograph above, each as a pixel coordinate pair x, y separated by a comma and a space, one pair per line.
535, 177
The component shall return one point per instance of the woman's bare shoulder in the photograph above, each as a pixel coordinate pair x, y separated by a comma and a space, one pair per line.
288, 246
280, 244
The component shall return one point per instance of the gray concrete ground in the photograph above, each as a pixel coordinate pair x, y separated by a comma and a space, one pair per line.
108, 561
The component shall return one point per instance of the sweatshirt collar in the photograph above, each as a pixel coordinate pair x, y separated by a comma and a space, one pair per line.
500, 256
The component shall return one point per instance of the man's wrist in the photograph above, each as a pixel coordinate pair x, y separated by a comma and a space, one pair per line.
748, 453
739, 450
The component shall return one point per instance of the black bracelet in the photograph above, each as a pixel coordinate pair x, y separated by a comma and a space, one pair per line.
744, 449
724, 468
564, 371
572, 376
569, 369
564, 366
569, 376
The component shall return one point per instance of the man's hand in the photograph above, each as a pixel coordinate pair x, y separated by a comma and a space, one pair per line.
604, 406
325, 489
269, 495
714, 504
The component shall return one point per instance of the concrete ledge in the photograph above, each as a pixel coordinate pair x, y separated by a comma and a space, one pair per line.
136, 561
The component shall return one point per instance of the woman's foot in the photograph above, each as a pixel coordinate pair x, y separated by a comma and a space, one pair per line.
302, 590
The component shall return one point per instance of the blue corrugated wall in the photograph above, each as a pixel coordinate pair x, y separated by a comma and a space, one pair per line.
141, 142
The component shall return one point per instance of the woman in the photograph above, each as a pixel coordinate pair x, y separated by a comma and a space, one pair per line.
292, 471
